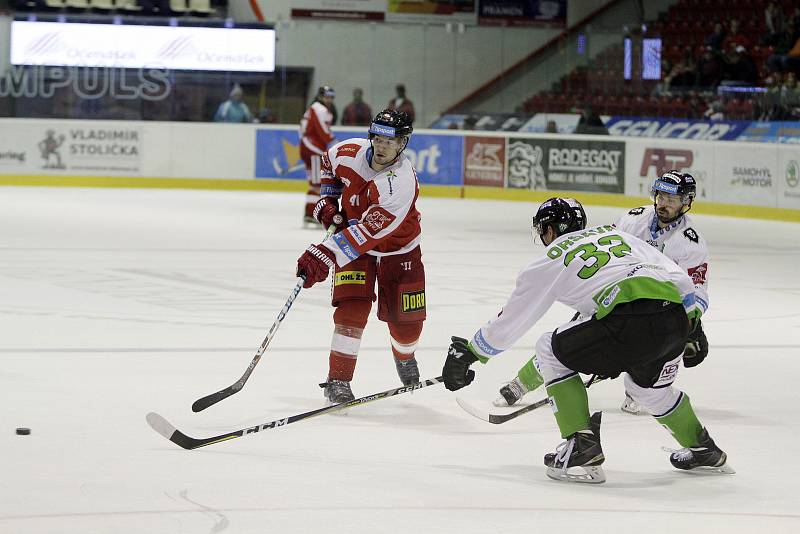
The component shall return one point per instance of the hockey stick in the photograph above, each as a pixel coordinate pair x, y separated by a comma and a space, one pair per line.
165, 428
498, 419
209, 400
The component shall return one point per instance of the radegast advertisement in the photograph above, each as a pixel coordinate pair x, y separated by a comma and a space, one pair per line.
436, 158
572, 165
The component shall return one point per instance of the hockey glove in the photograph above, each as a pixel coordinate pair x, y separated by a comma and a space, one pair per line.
696, 347
456, 371
314, 264
327, 213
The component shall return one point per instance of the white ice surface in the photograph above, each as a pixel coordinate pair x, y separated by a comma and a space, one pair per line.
115, 303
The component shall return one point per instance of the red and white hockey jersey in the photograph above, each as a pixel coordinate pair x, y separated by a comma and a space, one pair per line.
380, 206
315, 128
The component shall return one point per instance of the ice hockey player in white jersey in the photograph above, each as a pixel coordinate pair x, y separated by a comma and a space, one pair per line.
636, 309
666, 226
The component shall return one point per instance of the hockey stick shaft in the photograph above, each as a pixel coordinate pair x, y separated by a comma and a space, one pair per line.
166, 429
209, 400
498, 419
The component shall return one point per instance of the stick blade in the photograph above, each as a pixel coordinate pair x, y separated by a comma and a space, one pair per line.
210, 400
473, 411
166, 429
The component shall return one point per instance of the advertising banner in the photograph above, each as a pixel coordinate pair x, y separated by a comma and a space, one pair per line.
438, 159
574, 165
552, 13
789, 177
675, 128
278, 154
484, 161
487, 122
646, 159
350, 10
746, 174
429, 11
772, 132
74, 147
564, 122
134, 46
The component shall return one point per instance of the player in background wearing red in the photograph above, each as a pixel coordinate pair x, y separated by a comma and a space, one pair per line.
315, 136
369, 190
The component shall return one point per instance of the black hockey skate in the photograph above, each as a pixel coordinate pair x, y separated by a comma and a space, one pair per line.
337, 391
511, 393
408, 371
582, 453
705, 456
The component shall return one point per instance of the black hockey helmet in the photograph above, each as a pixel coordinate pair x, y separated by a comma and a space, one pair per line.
326, 90
391, 123
675, 183
565, 215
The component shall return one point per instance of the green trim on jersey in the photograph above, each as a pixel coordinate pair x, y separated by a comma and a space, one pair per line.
634, 288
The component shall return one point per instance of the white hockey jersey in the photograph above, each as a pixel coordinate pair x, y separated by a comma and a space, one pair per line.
680, 242
381, 207
591, 271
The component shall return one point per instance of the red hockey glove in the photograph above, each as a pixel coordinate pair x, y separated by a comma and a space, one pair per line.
327, 213
314, 264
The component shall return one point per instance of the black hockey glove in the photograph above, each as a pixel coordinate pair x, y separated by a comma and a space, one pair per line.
456, 371
696, 347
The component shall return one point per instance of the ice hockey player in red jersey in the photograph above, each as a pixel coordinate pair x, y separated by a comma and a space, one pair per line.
315, 136
377, 240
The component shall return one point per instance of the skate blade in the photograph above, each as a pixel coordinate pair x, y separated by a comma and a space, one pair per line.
582, 475
723, 469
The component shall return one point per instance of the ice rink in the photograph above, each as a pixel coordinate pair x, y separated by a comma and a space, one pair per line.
117, 302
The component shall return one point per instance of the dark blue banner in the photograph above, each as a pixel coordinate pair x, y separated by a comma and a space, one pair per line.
676, 128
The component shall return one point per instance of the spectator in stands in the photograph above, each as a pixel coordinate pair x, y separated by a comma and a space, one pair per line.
790, 97
357, 112
717, 36
715, 111
401, 103
740, 67
590, 122
769, 105
551, 127
682, 74
736, 37
787, 56
709, 69
233, 109
775, 20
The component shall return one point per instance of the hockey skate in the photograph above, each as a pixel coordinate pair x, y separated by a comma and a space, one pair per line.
337, 391
511, 393
705, 456
631, 406
407, 370
582, 454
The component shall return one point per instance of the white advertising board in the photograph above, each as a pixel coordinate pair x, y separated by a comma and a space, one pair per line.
646, 159
746, 173
136, 46
788, 177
